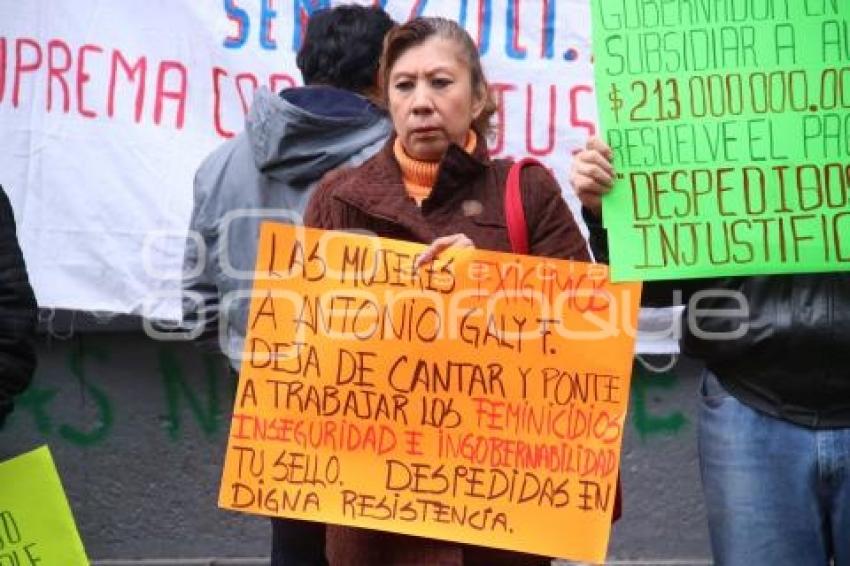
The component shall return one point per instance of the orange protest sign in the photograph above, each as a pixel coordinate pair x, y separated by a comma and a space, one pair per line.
480, 398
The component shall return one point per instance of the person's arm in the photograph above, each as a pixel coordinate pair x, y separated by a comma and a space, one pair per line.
597, 236
18, 312
592, 177
200, 292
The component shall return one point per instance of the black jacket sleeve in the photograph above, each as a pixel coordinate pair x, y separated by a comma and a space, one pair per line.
17, 313
597, 236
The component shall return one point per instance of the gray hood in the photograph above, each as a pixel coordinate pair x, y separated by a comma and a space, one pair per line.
291, 143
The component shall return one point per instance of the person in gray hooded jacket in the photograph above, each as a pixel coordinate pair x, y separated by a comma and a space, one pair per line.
268, 172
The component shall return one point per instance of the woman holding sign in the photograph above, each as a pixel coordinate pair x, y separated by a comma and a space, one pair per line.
434, 183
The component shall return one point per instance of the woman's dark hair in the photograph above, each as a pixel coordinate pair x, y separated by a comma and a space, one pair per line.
416, 32
342, 45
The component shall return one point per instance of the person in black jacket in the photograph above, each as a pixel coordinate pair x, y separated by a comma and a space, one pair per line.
17, 314
774, 417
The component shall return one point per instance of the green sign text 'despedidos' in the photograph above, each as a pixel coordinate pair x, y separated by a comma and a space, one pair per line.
730, 126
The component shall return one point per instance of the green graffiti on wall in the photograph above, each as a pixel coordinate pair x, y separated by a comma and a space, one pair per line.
37, 401
208, 398
90, 392
646, 422
208, 413
41, 403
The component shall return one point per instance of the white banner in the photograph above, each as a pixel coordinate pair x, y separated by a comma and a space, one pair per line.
107, 109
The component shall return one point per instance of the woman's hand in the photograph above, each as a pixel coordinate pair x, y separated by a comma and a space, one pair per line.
458, 241
591, 174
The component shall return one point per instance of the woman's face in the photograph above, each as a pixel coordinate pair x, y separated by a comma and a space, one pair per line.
431, 99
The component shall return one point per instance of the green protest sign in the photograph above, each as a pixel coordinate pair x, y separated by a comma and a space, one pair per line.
730, 126
36, 525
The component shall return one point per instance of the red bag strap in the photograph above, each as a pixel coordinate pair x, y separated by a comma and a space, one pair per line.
514, 213
518, 235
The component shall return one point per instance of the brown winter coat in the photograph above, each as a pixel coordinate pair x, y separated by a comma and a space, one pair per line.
468, 198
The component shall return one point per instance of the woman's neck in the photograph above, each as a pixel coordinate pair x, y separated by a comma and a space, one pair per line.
419, 176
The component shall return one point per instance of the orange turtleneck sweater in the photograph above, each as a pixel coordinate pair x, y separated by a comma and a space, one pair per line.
419, 176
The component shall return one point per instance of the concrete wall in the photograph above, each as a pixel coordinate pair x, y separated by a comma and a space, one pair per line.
138, 429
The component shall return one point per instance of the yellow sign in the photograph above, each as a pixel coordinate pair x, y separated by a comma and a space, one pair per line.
480, 398
36, 524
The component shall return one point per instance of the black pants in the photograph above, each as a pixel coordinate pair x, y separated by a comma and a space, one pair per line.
298, 543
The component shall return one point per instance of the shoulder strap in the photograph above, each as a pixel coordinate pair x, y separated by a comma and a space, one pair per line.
518, 235
514, 213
